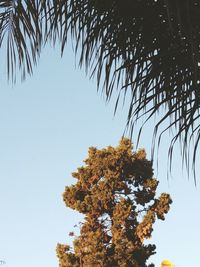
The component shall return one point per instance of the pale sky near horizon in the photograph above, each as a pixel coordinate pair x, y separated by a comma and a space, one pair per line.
47, 124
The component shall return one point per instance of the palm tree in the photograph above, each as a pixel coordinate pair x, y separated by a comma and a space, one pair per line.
150, 48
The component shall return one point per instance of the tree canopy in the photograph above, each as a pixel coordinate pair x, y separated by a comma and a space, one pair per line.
149, 48
116, 191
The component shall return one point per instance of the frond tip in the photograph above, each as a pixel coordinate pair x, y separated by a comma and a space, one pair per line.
21, 25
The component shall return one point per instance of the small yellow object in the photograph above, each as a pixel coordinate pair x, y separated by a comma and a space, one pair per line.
166, 263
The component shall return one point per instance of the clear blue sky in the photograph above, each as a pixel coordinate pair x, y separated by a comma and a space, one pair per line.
47, 124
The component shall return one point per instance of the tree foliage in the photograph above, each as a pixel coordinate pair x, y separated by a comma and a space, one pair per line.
116, 192
149, 48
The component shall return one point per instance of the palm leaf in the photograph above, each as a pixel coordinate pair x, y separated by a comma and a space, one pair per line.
146, 47
20, 24
152, 47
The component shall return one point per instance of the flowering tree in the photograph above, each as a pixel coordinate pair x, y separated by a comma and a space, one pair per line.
116, 192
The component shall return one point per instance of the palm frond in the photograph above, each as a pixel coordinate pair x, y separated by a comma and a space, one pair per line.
152, 47
21, 25
146, 47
